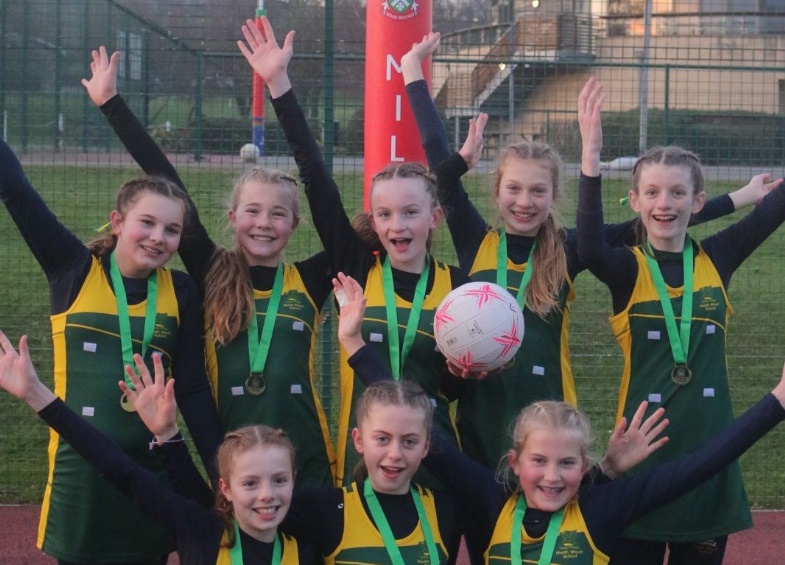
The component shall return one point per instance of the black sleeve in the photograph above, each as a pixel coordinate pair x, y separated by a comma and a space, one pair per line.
192, 388
125, 474
714, 208
316, 515
368, 366
55, 248
615, 266
474, 486
317, 277
432, 133
731, 246
467, 226
196, 248
610, 506
342, 244
184, 478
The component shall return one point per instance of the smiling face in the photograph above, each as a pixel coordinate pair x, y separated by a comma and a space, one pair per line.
263, 218
259, 486
524, 194
148, 233
550, 467
665, 199
393, 440
403, 214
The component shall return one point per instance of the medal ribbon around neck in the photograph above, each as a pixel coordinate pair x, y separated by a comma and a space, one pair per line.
501, 267
259, 346
124, 319
550, 535
236, 553
679, 338
398, 355
384, 526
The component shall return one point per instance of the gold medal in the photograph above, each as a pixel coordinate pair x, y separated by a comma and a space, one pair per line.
255, 384
681, 375
127, 404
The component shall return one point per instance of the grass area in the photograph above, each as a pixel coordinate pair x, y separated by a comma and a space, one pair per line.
82, 198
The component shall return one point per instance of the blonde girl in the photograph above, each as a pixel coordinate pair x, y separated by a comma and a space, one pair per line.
261, 313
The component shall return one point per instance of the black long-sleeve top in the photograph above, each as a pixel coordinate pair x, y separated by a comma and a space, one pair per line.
66, 261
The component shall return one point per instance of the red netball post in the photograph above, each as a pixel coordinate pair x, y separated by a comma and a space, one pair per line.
390, 131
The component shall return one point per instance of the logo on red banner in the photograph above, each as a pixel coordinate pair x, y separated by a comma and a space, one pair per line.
400, 9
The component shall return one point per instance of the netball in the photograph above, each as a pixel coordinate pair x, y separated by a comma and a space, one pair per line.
249, 153
479, 326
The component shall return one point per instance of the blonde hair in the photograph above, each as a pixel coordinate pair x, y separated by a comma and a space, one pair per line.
361, 222
552, 415
670, 156
542, 293
235, 443
128, 195
228, 300
391, 393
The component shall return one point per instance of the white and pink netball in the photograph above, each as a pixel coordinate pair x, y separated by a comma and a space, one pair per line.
479, 326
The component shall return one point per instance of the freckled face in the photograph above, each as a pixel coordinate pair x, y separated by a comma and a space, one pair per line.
550, 468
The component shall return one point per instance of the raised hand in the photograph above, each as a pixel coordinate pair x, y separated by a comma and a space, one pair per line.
472, 147
18, 377
351, 303
590, 103
269, 60
629, 446
754, 191
103, 84
411, 62
153, 398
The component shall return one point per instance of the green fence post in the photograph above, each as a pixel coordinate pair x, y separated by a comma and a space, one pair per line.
329, 152
26, 82
3, 61
666, 107
198, 107
58, 122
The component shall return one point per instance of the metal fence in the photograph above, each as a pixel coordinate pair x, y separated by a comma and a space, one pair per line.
719, 93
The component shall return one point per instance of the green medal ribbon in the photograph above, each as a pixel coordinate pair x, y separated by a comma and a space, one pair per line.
397, 355
501, 267
384, 526
259, 346
679, 338
124, 319
551, 535
236, 553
